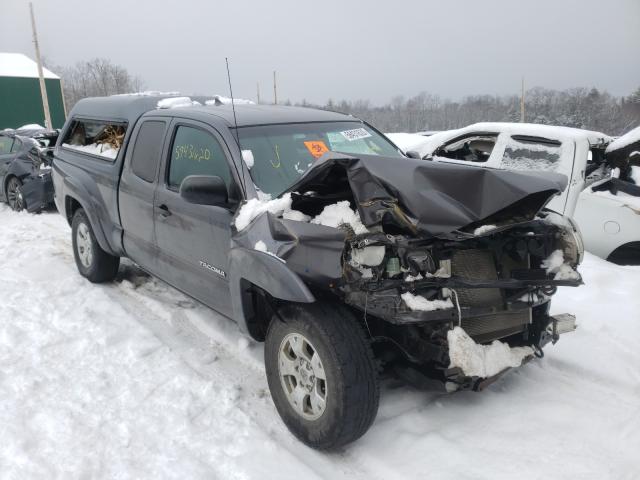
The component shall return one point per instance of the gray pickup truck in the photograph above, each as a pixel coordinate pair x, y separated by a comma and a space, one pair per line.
317, 236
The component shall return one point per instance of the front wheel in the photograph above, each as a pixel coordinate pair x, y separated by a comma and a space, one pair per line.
92, 261
15, 198
321, 374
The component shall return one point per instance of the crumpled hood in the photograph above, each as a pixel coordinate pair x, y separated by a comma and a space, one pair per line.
435, 198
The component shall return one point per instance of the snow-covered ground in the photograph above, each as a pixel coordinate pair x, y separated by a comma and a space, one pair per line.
135, 380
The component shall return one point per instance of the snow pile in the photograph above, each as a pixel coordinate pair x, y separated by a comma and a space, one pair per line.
101, 149
220, 100
339, 214
554, 263
247, 156
418, 302
176, 102
484, 229
31, 126
280, 207
483, 361
627, 139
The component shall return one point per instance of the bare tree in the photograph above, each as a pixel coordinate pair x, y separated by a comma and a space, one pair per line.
95, 78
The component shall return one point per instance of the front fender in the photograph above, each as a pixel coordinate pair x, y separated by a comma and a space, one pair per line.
267, 272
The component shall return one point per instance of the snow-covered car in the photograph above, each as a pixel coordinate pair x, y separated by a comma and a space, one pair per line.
25, 168
610, 223
317, 236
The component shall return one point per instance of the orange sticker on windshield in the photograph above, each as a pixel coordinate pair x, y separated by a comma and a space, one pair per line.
317, 148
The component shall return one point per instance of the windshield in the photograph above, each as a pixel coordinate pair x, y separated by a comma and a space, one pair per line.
278, 155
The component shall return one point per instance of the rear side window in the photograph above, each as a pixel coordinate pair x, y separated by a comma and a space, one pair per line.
5, 145
196, 152
103, 139
147, 150
532, 153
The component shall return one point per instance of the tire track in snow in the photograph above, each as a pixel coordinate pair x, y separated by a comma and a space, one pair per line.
192, 335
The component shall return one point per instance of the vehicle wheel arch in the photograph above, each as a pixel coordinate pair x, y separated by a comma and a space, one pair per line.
5, 185
259, 283
72, 205
626, 254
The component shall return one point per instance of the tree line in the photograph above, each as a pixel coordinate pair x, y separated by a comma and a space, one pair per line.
588, 108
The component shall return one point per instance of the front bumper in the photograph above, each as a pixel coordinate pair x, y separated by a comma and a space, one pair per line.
456, 380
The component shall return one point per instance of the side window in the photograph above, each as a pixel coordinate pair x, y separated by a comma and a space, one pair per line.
100, 138
5, 145
147, 150
531, 153
472, 148
17, 144
196, 152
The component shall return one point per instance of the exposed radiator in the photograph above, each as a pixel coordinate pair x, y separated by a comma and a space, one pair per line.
480, 265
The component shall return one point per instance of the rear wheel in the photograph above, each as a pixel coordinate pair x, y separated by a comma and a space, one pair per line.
15, 199
322, 374
92, 261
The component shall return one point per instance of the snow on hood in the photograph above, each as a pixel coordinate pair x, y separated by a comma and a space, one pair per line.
625, 140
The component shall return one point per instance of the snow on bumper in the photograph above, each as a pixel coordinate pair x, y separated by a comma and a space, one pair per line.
474, 366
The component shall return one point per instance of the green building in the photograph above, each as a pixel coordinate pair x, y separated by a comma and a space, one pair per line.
20, 98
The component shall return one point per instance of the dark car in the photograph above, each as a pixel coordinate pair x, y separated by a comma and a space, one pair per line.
25, 168
317, 236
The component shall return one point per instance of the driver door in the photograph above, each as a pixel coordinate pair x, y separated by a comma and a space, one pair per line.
194, 240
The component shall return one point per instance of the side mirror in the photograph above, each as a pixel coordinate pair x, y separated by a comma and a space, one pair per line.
414, 154
204, 190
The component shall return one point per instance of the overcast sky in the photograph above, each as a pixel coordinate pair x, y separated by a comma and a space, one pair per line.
343, 49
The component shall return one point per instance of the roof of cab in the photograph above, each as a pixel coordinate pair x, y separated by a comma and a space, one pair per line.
247, 115
128, 108
535, 129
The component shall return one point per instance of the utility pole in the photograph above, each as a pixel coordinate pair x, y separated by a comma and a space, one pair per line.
43, 87
275, 89
522, 103
258, 91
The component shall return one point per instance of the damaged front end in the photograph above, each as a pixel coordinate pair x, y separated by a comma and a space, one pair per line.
451, 268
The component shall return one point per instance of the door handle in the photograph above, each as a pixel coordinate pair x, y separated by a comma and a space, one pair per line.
164, 211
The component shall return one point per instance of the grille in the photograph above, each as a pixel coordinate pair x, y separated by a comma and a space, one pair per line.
477, 265
495, 326
480, 265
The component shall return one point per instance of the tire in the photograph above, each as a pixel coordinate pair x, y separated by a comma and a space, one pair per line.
14, 195
345, 402
92, 261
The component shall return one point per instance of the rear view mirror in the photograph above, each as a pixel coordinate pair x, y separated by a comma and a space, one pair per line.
414, 154
204, 190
